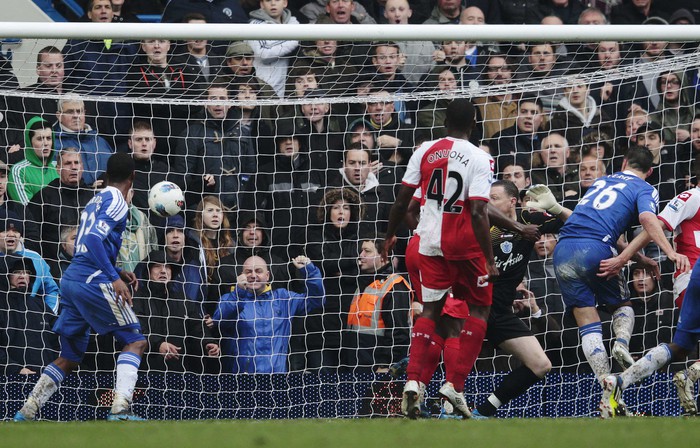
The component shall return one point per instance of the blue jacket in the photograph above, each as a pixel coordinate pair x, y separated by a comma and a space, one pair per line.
44, 283
94, 150
255, 330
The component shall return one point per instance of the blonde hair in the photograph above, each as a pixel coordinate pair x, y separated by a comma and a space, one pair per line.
225, 244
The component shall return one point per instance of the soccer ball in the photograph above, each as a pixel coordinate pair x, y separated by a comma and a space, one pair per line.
166, 199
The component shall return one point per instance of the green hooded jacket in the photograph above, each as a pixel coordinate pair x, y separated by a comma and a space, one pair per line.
30, 175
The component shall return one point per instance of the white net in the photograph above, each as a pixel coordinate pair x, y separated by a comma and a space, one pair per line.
301, 152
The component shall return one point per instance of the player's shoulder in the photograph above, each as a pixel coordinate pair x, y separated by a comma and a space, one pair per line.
112, 202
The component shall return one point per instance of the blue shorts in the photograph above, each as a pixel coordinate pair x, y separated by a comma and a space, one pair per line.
688, 329
85, 305
576, 265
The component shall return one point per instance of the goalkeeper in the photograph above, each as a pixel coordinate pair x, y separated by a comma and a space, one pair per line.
512, 253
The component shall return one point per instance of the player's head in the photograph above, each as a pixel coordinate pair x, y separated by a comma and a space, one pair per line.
460, 117
504, 196
640, 159
120, 168
256, 273
371, 259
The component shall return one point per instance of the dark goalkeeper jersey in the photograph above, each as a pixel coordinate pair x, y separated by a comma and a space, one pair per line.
512, 253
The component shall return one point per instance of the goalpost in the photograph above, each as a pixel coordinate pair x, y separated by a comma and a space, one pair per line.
362, 91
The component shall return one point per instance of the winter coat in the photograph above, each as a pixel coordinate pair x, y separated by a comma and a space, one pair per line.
58, 205
256, 329
26, 339
272, 57
44, 284
168, 317
575, 126
315, 10
672, 117
219, 148
98, 66
286, 192
94, 150
32, 174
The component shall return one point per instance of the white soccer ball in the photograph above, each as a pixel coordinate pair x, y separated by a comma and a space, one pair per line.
166, 199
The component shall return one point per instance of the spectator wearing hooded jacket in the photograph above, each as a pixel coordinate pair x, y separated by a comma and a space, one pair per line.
32, 239
71, 131
11, 231
255, 320
272, 56
26, 340
178, 340
38, 168
676, 109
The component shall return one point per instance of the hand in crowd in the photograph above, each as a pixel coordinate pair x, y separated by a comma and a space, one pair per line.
97, 185
13, 148
26, 371
169, 350
527, 302
387, 141
242, 281
300, 261
438, 56
209, 180
682, 135
213, 350
208, 321
606, 91
376, 166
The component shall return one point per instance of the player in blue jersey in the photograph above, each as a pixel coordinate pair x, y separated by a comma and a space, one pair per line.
590, 235
95, 293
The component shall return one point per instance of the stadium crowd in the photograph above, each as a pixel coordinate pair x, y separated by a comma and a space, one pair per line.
276, 263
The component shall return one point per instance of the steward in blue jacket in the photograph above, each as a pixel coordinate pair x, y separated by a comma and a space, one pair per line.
255, 320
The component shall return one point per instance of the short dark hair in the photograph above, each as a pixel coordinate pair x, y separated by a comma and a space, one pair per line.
120, 167
508, 186
377, 240
531, 99
460, 115
384, 43
193, 16
639, 158
38, 125
47, 50
357, 147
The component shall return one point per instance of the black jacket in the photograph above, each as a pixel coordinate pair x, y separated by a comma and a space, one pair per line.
26, 339
166, 317
219, 148
57, 205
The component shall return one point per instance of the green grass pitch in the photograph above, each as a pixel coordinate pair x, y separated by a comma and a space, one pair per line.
507, 433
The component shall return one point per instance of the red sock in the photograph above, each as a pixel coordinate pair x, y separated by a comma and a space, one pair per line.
453, 357
432, 358
421, 335
470, 341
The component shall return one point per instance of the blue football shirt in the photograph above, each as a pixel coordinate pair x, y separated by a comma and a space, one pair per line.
609, 207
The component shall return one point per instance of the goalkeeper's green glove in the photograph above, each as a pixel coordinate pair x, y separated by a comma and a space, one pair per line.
542, 198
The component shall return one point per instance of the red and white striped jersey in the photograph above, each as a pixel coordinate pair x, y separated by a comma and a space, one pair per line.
449, 172
682, 216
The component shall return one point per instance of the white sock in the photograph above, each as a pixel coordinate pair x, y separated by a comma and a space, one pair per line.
127, 374
655, 359
48, 383
494, 401
593, 348
623, 324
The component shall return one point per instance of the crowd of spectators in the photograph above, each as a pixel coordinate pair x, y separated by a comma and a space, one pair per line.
264, 270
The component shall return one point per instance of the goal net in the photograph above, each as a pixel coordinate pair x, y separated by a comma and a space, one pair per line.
295, 145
